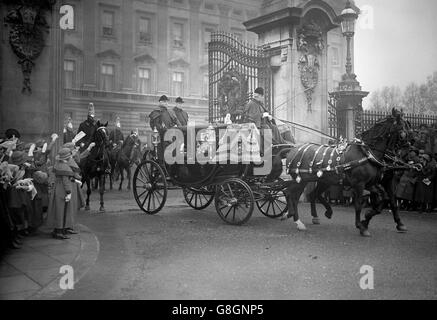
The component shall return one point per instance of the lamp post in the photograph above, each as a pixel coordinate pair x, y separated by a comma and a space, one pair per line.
348, 17
348, 95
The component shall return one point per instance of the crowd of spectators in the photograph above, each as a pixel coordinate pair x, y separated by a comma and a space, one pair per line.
416, 190
37, 188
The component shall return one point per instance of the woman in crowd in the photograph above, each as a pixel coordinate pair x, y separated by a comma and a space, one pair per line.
64, 199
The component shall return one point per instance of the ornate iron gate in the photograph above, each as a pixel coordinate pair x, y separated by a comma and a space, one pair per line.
236, 69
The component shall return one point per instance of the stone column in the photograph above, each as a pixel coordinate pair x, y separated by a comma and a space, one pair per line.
162, 62
56, 98
195, 75
89, 44
127, 46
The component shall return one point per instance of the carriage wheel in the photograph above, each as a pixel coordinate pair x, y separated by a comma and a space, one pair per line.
273, 205
198, 199
234, 201
149, 187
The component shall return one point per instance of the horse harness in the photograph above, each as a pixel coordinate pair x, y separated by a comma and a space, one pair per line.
337, 155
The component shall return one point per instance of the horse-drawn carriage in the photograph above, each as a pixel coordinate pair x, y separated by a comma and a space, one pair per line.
211, 164
235, 188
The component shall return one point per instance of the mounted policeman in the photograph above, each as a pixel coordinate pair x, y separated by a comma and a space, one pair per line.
88, 127
116, 136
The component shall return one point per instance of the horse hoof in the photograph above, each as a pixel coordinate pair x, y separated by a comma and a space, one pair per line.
87, 208
365, 224
102, 209
316, 221
401, 228
328, 214
365, 233
300, 226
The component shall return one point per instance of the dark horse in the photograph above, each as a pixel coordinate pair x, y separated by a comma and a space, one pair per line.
94, 166
123, 157
360, 165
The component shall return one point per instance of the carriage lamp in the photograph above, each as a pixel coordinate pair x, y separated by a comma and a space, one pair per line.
155, 137
348, 17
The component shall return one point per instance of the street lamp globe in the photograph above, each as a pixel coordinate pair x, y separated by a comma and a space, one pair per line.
348, 17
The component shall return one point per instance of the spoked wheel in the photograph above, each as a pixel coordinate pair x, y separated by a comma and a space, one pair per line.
273, 205
150, 187
198, 199
234, 201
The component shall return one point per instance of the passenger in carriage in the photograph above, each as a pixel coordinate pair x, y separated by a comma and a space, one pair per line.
181, 115
255, 112
163, 117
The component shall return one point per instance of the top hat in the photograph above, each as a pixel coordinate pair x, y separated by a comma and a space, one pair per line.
259, 90
163, 98
64, 154
17, 158
12, 132
179, 100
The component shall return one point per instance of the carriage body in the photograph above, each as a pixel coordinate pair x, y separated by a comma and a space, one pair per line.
210, 163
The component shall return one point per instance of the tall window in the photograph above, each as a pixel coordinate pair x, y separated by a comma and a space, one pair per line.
178, 35
107, 77
144, 83
207, 37
178, 84
108, 23
205, 86
335, 56
69, 73
145, 32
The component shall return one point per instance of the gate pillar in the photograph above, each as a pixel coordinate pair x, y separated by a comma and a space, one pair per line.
296, 36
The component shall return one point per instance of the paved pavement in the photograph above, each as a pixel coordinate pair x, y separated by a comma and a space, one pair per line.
181, 253
33, 272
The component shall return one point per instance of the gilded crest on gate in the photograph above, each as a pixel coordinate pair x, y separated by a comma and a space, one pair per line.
232, 92
310, 45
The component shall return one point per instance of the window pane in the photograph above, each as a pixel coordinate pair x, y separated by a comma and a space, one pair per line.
178, 31
69, 73
107, 69
107, 77
144, 73
68, 65
144, 25
108, 19
177, 84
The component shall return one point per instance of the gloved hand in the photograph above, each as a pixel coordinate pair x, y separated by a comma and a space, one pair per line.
267, 115
68, 197
92, 145
54, 137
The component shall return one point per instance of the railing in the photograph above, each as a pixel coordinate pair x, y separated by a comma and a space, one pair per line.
369, 118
